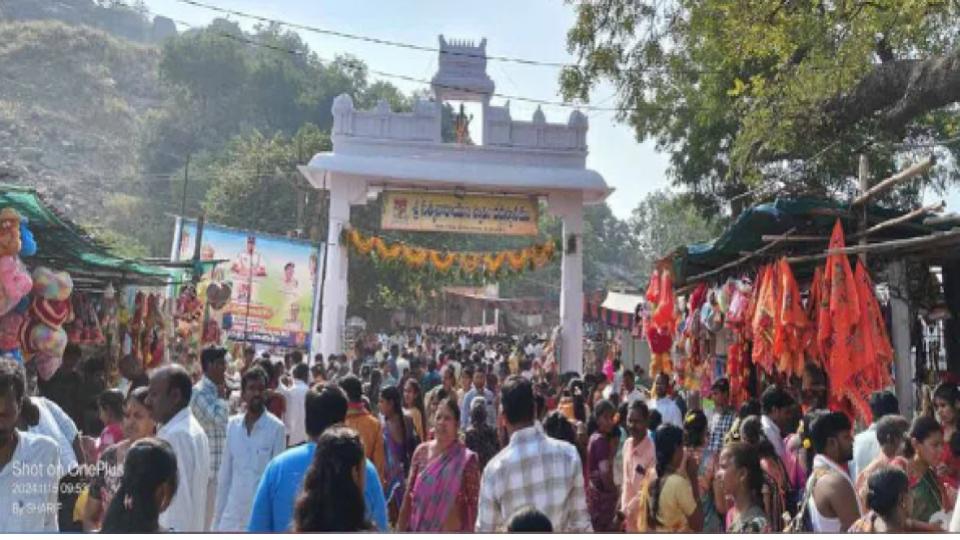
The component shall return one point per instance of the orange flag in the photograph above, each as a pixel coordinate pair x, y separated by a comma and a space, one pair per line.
765, 319
653, 289
664, 316
811, 344
876, 339
791, 324
843, 315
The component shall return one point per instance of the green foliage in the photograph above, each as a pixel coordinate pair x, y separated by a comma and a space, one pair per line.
745, 94
118, 244
664, 221
254, 181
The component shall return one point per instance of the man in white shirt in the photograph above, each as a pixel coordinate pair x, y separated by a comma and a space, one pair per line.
778, 412
866, 447
664, 404
253, 439
169, 401
41, 416
295, 395
29, 463
44, 417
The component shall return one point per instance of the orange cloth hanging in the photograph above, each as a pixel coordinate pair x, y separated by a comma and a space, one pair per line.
752, 304
737, 371
792, 323
653, 289
875, 329
843, 316
811, 344
659, 328
872, 353
664, 316
765, 320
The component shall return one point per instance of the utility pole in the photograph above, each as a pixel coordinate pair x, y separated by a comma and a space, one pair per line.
197, 276
186, 181
864, 176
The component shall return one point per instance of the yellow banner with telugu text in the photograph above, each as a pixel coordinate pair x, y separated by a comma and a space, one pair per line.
472, 214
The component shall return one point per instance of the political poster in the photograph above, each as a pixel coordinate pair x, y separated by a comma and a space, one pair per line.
273, 279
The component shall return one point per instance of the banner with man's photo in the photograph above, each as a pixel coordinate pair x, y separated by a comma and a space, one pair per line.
273, 280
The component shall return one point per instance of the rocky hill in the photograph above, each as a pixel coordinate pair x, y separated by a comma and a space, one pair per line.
72, 104
125, 19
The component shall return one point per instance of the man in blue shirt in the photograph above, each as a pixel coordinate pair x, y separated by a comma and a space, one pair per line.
479, 390
282, 480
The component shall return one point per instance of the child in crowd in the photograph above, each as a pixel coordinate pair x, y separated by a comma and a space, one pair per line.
110, 406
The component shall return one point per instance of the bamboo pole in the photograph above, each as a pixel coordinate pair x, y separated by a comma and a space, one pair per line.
890, 245
902, 219
797, 238
906, 174
952, 217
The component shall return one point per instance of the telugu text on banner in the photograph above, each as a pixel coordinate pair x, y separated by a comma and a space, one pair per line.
447, 212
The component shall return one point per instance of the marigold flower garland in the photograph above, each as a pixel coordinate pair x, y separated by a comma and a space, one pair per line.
491, 263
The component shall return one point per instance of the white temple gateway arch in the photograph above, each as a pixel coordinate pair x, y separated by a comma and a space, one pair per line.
381, 150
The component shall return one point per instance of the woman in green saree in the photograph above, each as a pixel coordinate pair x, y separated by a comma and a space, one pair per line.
928, 493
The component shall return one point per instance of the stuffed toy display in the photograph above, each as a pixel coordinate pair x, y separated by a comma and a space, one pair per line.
15, 282
9, 233
152, 339
41, 334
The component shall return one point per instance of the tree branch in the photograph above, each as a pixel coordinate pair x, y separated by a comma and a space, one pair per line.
896, 92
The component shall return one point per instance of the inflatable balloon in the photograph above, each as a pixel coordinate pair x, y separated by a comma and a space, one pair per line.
52, 285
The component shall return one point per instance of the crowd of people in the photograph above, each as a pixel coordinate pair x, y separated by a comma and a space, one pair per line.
431, 432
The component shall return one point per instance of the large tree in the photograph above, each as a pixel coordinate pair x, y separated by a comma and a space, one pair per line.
664, 221
774, 93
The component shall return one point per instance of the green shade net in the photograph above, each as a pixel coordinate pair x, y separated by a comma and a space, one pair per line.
808, 216
63, 245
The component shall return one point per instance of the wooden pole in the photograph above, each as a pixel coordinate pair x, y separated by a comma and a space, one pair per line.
901, 219
906, 174
952, 217
797, 238
952, 234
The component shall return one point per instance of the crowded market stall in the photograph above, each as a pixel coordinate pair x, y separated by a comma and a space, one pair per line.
765, 302
60, 286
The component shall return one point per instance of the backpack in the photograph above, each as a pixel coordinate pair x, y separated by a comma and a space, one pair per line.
800, 522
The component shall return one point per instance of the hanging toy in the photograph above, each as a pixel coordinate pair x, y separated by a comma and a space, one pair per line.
10, 331
28, 244
9, 233
15, 283
218, 295
211, 333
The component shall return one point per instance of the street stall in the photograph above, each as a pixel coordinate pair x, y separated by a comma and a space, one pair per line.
59, 285
777, 294
611, 318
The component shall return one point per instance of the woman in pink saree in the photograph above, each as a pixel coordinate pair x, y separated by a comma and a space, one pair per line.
444, 483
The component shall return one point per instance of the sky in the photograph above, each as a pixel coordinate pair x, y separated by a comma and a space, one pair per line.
532, 29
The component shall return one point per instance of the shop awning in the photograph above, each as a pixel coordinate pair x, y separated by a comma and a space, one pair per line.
64, 245
617, 310
808, 216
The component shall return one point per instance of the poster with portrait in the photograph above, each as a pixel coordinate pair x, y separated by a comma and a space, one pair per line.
273, 279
